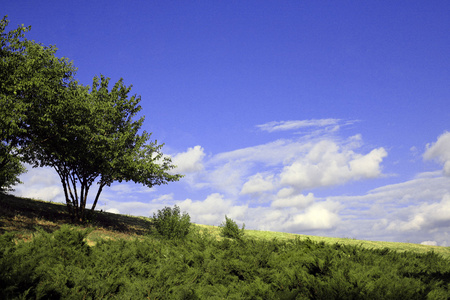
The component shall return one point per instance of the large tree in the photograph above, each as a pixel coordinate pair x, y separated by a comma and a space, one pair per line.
29, 72
91, 135
86, 135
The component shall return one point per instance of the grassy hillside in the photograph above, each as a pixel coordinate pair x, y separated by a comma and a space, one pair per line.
121, 257
23, 216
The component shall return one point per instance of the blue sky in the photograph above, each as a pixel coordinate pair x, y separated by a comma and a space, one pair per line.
316, 117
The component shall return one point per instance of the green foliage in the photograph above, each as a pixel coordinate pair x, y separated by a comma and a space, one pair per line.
29, 73
171, 224
9, 173
61, 265
231, 230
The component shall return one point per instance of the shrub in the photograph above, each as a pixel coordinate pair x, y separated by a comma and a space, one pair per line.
170, 223
231, 230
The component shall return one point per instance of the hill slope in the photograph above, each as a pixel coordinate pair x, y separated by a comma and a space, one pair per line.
23, 216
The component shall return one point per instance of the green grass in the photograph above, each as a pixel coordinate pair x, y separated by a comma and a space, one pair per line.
399, 247
22, 216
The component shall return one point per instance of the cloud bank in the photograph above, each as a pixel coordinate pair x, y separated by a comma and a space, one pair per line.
274, 186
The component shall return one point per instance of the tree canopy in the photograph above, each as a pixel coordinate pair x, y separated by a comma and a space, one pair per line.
87, 134
11, 111
91, 136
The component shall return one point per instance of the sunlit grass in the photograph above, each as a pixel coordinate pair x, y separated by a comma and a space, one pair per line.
400, 247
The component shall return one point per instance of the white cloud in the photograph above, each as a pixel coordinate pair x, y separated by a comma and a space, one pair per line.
164, 198
48, 193
302, 163
440, 151
229, 171
429, 243
270, 154
213, 209
113, 210
136, 208
286, 192
126, 188
189, 161
426, 216
425, 186
42, 176
40, 183
319, 216
257, 184
227, 178
296, 124
328, 163
299, 201
367, 166
409, 211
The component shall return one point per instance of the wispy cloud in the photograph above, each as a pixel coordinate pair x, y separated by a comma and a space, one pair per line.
296, 124
292, 199
440, 151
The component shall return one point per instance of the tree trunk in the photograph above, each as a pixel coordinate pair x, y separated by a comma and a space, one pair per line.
97, 196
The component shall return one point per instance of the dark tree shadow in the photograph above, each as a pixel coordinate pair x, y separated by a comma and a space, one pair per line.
19, 214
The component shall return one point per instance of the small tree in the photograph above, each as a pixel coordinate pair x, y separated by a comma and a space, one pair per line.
230, 229
170, 223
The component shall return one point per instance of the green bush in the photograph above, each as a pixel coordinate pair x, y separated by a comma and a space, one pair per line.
231, 230
170, 223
